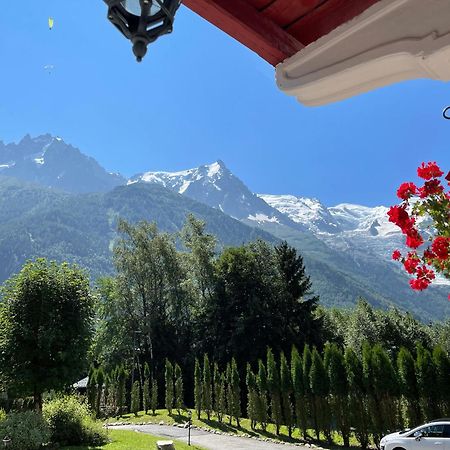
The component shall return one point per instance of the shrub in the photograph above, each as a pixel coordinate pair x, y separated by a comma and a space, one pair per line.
27, 430
71, 423
2, 414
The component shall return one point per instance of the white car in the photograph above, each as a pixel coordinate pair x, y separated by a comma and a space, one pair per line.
434, 435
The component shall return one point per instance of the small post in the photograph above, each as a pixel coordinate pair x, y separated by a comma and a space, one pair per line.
189, 426
6, 441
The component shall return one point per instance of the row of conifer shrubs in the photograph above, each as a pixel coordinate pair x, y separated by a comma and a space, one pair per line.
363, 395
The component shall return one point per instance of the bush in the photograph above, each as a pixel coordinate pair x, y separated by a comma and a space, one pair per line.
71, 423
27, 430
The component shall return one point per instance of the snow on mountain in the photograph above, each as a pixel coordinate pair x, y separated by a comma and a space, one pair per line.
215, 185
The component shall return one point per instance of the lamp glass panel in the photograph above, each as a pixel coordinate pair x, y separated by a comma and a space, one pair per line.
134, 7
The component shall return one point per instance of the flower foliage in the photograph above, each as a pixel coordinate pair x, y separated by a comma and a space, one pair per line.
432, 202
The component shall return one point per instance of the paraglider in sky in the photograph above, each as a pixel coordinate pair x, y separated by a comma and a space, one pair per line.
51, 22
49, 68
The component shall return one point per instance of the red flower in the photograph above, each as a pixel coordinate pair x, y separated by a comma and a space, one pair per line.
413, 238
424, 278
396, 255
428, 254
429, 170
399, 216
419, 284
447, 177
430, 188
440, 247
406, 190
411, 263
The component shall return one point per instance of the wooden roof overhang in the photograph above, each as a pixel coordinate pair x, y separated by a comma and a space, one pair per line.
278, 29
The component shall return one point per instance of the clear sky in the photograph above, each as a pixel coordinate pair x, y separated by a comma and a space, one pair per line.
199, 96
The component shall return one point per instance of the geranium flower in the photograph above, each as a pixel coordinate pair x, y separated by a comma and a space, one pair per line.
429, 170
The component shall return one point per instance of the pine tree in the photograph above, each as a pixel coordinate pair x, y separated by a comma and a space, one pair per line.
286, 392
251, 396
169, 399
319, 385
442, 364
337, 376
262, 416
357, 397
179, 389
207, 387
198, 388
154, 396
273, 383
408, 388
135, 397
236, 392
299, 391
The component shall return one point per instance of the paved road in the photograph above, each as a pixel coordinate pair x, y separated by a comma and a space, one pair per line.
207, 440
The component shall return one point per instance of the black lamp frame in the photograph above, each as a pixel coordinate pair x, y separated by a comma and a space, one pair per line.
144, 29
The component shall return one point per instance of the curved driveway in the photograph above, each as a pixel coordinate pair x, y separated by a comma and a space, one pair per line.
210, 441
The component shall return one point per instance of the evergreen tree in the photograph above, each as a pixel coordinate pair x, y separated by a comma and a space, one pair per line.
236, 392
286, 392
262, 407
382, 388
92, 389
154, 396
442, 364
216, 388
146, 400
357, 397
207, 387
273, 383
408, 388
146, 396
169, 399
306, 360
198, 388
135, 396
251, 396
179, 389
100, 385
229, 393
222, 402
121, 389
426, 383
299, 391
337, 376
319, 385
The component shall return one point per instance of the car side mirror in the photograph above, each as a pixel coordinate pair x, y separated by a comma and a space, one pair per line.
418, 435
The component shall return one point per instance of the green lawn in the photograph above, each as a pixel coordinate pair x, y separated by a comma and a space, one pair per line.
244, 428
130, 440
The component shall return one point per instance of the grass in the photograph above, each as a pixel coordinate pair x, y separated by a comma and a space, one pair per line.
226, 427
130, 440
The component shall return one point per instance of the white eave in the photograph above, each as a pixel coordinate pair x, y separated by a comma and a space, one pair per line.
392, 41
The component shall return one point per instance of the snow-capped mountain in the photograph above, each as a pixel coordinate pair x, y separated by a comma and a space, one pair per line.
49, 161
215, 185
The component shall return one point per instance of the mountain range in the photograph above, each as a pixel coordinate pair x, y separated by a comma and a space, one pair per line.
59, 203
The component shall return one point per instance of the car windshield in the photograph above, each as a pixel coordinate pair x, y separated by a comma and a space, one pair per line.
405, 430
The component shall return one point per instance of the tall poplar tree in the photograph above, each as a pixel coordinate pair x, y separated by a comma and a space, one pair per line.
135, 398
426, 383
442, 364
154, 396
236, 392
252, 396
306, 360
216, 389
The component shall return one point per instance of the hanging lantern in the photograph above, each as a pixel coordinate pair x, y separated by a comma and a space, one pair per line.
142, 21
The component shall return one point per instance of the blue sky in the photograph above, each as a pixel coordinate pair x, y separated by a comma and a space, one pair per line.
199, 96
